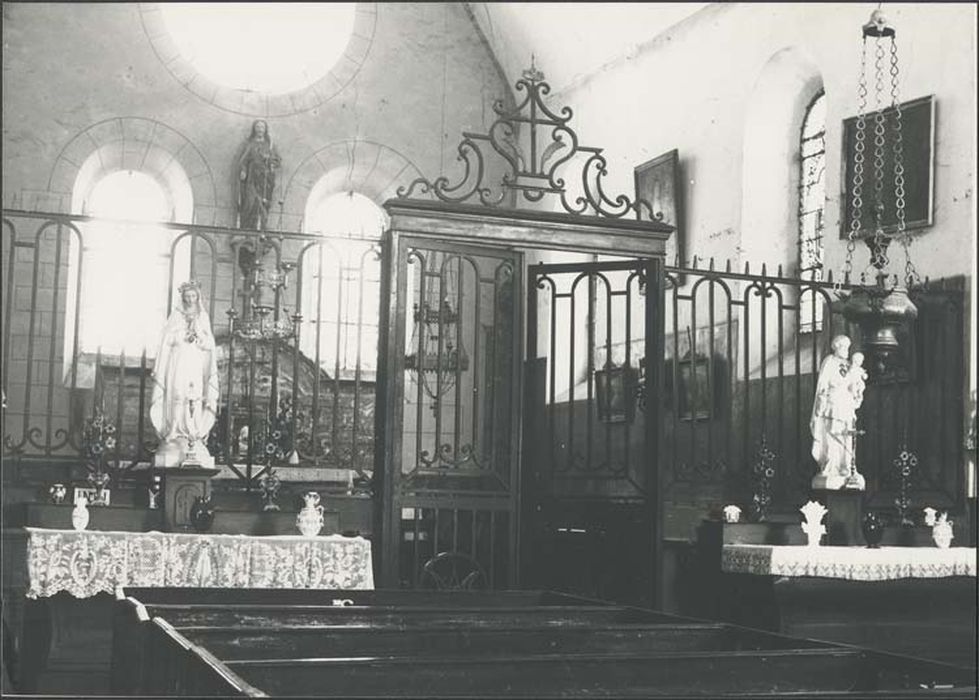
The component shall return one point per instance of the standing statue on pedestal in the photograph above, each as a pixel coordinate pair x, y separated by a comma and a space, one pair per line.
257, 166
839, 393
185, 384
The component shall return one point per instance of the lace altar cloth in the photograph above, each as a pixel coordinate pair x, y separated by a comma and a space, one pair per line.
85, 563
853, 563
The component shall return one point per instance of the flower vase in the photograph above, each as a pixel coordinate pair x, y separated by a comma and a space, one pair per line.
814, 532
80, 515
812, 525
202, 514
942, 534
873, 530
310, 518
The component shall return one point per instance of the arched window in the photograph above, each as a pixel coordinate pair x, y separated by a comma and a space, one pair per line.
812, 200
341, 285
124, 266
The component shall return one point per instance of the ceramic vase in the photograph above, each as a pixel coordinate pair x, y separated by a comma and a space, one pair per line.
202, 514
79, 516
873, 530
942, 534
58, 493
310, 518
814, 533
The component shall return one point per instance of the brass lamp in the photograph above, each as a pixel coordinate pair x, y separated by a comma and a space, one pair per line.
882, 308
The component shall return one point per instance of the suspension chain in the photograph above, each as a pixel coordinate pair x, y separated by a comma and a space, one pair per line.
911, 275
856, 204
878, 258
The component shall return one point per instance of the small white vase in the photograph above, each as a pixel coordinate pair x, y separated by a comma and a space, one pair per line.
310, 520
79, 516
814, 532
942, 534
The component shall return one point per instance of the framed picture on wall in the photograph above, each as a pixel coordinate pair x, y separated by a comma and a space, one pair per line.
695, 390
918, 139
659, 183
615, 389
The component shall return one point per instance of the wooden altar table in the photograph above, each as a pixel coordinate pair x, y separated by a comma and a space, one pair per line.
918, 601
66, 624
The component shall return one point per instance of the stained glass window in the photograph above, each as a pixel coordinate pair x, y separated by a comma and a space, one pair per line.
812, 199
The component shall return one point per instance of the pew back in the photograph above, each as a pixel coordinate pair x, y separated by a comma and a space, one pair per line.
481, 645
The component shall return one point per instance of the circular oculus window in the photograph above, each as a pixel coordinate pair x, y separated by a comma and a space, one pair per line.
262, 59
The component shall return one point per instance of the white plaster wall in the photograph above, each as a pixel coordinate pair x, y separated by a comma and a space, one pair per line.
690, 88
67, 66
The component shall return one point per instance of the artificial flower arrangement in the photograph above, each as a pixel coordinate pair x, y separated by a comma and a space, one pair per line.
98, 439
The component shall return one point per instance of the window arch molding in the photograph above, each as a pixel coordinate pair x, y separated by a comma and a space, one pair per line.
145, 145
372, 169
255, 103
777, 105
770, 175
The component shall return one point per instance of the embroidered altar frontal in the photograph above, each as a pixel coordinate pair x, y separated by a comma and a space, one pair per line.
853, 563
85, 563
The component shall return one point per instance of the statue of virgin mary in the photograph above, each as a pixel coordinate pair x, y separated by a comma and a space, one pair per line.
185, 384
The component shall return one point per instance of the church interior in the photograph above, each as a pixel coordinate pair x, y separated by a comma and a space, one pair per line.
489, 349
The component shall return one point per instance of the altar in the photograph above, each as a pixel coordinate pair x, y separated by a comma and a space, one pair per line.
68, 578
919, 601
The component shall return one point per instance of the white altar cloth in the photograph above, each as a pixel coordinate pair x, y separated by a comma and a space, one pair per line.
852, 563
85, 563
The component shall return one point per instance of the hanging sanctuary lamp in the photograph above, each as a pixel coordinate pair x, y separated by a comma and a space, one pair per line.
881, 308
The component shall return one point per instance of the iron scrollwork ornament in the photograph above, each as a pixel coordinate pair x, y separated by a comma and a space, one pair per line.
535, 166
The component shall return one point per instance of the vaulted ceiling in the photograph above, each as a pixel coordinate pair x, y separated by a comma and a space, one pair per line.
571, 41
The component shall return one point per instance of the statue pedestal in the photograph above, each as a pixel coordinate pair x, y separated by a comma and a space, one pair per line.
181, 487
177, 453
842, 522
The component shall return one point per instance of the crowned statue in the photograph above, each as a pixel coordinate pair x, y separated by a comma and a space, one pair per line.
839, 393
185, 384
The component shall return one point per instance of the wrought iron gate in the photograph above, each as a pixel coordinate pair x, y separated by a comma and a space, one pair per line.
452, 494
591, 482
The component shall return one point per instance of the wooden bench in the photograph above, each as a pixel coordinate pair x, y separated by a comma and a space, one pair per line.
304, 608
481, 645
303, 596
237, 643
815, 672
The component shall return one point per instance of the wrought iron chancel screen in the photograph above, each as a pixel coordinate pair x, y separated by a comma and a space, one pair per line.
740, 365
295, 319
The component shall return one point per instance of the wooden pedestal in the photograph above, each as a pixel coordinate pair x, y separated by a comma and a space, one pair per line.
181, 487
842, 522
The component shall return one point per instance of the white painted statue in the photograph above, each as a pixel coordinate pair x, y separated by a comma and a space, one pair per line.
185, 384
839, 393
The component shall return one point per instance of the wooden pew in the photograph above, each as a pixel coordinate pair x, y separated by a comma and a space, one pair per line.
234, 615
180, 668
656, 653
303, 596
131, 614
232, 644
815, 672
833, 672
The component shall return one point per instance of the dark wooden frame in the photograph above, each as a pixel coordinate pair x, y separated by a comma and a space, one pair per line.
918, 138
